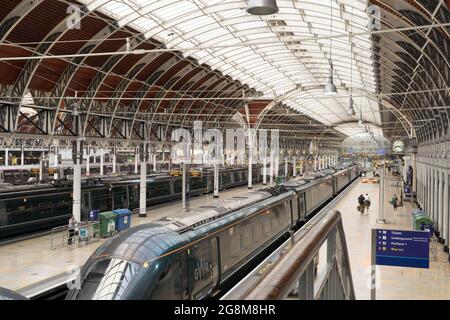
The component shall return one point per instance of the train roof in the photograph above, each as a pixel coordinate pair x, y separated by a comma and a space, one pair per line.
147, 242
205, 214
142, 243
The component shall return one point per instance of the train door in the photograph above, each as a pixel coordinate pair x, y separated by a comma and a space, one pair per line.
186, 290
85, 204
202, 268
301, 206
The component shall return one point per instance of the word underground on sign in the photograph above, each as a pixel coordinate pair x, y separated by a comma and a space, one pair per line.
402, 248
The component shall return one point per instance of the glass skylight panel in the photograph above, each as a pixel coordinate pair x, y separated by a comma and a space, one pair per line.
274, 57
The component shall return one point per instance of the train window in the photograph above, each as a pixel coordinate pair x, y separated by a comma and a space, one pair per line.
178, 185
120, 197
237, 176
99, 200
301, 205
107, 279
159, 189
225, 178
195, 183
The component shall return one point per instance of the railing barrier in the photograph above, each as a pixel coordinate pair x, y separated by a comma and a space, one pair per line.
289, 271
83, 233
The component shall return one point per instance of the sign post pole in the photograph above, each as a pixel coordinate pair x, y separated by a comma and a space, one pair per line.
373, 273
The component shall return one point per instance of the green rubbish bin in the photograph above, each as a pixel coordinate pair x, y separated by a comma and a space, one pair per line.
422, 220
107, 223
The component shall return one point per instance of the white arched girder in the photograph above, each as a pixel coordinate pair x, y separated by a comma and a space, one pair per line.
265, 52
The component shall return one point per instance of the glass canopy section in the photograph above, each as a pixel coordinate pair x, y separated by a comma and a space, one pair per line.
286, 56
366, 139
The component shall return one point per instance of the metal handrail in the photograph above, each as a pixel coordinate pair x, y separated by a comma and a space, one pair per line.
290, 268
59, 236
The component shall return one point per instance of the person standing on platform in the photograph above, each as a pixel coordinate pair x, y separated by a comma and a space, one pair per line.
394, 202
361, 204
367, 201
72, 224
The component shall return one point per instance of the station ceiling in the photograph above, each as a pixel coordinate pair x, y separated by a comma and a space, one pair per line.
137, 68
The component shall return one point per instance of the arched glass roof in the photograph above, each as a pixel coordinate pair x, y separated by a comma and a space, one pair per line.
285, 56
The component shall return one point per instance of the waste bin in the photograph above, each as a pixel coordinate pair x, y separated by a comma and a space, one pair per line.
420, 220
93, 214
107, 223
123, 219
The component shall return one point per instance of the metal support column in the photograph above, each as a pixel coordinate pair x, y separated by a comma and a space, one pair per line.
264, 170
446, 213
185, 187
88, 161
414, 177
136, 161
435, 199
102, 159
440, 204
154, 162
78, 154
294, 168
271, 167
114, 161
41, 167
143, 184
216, 180
381, 196
22, 157
286, 167
250, 159
6, 157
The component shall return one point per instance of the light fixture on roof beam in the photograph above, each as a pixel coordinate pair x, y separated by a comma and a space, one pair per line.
330, 88
361, 121
351, 109
262, 7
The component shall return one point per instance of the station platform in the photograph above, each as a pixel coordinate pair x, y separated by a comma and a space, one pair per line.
31, 262
395, 283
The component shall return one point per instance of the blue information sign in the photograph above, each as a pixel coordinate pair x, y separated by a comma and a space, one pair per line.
402, 248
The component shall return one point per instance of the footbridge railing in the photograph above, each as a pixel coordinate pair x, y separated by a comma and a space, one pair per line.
313, 264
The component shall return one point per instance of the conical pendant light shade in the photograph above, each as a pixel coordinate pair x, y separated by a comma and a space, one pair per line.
330, 88
262, 7
351, 110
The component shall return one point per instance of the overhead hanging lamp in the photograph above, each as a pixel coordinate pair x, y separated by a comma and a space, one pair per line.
262, 7
330, 88
351, 109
